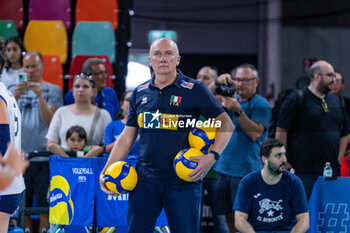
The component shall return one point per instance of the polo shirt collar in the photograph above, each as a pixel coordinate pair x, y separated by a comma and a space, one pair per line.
177, 81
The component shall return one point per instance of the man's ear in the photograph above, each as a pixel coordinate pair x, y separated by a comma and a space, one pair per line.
264, 160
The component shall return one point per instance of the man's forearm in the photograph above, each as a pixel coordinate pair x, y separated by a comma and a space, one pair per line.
302, 223
223, 133
251, 128
243, 226
45, 111
343, 143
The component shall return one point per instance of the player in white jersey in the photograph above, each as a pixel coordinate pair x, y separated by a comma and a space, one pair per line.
10, 131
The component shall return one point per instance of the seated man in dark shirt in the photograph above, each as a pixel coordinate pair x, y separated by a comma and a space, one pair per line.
271, 199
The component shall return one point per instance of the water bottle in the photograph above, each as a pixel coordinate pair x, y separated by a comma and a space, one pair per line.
327, 170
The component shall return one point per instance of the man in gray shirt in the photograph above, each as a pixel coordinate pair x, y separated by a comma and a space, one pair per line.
38, 101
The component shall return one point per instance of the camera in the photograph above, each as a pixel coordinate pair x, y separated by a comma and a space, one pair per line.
224, 90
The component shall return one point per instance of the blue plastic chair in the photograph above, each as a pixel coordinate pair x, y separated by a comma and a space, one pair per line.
94, 38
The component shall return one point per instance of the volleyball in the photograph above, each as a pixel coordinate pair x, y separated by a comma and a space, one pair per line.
120, 177
202, 138
61, 204
183, 166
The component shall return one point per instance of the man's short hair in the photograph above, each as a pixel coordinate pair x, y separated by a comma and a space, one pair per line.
247, 65
34, 53
267, 145
341, 74
86, 68
314, 69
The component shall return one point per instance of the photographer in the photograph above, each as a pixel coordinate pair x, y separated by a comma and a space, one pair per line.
251, 114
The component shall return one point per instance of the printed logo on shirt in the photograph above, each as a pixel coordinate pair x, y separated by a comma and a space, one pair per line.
270, 211
157, 120
187, 85
175, 100
143, 87
257, 195
151, 120
144, 100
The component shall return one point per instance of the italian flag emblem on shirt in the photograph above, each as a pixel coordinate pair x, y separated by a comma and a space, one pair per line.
175, 100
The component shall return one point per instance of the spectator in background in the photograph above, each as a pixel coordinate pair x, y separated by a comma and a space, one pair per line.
115, 128
337, 87
84, 113
37, 101
208, 75
76, 140
14, 50
106, 97
319, 127
271, 199
251, 114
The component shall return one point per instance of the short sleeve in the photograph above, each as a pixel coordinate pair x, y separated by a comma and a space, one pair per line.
104, 119
243, 200
208, 106
261, 112
299, 201
53, 133
55, 97
287, 114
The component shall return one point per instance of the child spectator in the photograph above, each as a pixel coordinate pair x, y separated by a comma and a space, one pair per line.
76, 140
14, 50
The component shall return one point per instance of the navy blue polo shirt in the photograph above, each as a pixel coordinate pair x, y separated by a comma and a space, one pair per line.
164, 118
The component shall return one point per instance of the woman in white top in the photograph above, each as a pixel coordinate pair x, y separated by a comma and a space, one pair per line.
14, 51
83, 113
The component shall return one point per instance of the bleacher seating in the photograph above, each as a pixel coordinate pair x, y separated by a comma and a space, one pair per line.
50, 10
78, 61
7, 29
12, 9
97, 10
47, 37
94, 38
53, 72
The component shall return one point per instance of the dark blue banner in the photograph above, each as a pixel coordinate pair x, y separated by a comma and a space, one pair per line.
72, 188
74, 184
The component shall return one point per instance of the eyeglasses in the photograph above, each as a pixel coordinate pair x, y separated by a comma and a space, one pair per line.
331, 75
101, 73
243, 80
325, 106
85, 76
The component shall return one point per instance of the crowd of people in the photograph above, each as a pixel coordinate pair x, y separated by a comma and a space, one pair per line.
243, 174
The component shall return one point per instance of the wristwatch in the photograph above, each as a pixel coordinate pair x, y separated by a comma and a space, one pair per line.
216, 154
238, 113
